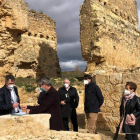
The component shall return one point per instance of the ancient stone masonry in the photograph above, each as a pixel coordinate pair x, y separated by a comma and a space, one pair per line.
110, 42
112, 86
109, 35
11, 27
28, 41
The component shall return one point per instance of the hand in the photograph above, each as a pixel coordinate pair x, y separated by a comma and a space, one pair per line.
28, 111
15, 105
101, 108
63, 103
24, 107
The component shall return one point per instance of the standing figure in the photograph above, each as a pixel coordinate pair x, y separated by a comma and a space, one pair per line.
93, 101
50, 104
69, 100
9, 99
130, 112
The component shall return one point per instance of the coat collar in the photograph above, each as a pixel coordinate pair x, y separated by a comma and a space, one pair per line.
69, 88
90, 84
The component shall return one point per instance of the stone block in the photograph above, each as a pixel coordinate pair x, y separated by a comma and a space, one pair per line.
119, 88
22, 126
116, 78
109, 88
102, 79
133, 77
109, 104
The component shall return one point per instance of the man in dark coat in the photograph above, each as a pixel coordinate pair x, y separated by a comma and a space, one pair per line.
50, 104
93, 101
69, 101
9, 99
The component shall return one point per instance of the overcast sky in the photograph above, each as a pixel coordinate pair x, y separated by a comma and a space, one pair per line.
66, 15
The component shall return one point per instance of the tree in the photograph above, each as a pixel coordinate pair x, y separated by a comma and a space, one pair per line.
77, 69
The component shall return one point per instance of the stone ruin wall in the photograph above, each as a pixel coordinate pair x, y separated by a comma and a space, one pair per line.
38, 54
28, 42
11, 27
112, 86
110, 42
109, 35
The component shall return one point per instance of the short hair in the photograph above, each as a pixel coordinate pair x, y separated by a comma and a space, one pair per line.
66, 79
8, 77
131, 85
87, 76
44, 81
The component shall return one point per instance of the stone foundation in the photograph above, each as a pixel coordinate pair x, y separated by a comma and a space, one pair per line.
36, 127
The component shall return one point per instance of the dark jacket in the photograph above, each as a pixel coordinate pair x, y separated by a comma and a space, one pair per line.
93, 98
51, 105
132, 107
5, 100
40, 98
71, 99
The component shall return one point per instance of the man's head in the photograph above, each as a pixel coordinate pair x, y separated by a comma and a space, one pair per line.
66, 83
44, 84
10, 81
87, 79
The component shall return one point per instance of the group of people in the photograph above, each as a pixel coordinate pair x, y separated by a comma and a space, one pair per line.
62, 105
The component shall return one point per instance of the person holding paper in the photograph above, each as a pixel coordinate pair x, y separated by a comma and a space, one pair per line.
50, 104
9, 99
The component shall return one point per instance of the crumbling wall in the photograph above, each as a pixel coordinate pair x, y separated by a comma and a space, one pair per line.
28, 41
38, 54
110, 38
13, 22
110, 42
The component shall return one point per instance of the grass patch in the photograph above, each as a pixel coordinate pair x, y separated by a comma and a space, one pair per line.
28, 84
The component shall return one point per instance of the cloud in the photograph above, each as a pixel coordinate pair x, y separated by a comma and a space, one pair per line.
70, 65
138, 5
66, 15
69, 51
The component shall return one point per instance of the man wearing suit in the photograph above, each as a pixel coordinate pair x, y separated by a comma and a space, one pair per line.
69, 100
9, 99
50, 104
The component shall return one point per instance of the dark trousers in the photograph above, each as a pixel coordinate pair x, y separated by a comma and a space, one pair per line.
74, 123
131, 136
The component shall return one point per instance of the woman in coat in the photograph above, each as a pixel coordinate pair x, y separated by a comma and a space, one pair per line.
130, 112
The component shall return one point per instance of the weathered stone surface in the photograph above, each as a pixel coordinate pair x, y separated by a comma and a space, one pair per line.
100, 79
24, 126
116, 78
109, 35
131, 77
36, 127
28, 41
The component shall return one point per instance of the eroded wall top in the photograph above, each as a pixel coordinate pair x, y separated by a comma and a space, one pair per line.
109, 35
28, 41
